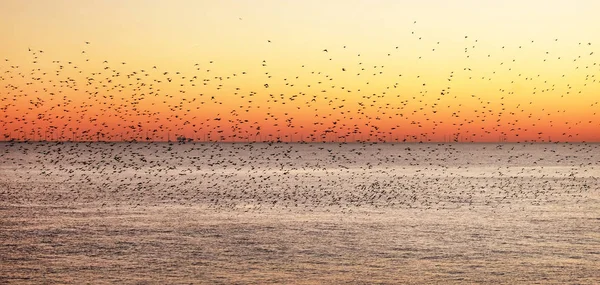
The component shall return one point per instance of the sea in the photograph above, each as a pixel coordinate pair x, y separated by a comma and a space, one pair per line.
299, 213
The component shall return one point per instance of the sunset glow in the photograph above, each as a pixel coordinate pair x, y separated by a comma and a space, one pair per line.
300, 70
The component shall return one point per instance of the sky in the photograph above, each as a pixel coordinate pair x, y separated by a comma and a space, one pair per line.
482, 71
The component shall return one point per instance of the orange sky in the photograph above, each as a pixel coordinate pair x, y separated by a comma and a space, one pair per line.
393, 70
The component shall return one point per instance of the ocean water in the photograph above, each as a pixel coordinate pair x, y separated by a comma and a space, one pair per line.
357, 213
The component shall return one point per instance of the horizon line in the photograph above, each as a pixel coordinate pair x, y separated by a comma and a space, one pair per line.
299, 142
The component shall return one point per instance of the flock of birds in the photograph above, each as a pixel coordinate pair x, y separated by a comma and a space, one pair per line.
299, 177
60, 107
338, 95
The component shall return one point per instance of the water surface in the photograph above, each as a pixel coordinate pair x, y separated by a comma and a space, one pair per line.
155, 213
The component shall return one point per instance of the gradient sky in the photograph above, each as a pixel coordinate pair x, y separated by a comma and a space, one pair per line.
393, 70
